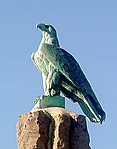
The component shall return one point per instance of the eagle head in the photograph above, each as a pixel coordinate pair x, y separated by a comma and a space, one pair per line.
49, 29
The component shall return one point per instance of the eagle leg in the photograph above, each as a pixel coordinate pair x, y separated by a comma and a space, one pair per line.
53, 82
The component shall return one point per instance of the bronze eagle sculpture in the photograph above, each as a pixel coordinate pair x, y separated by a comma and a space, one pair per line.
61, 73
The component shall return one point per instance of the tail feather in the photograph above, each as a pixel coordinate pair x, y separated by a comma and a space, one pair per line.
98, 107
91, 110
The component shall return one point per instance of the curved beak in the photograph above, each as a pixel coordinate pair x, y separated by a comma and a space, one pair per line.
40, 26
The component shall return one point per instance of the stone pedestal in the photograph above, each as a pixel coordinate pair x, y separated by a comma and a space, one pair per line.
52, 128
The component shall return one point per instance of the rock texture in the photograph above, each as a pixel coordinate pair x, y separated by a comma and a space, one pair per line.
52, 128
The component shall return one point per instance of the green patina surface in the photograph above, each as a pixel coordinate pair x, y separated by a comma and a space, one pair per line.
61, 73
50, 101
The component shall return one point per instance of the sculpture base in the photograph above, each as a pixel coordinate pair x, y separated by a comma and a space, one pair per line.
52, 128
49, 101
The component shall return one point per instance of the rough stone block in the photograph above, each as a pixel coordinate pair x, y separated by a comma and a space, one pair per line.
52, 128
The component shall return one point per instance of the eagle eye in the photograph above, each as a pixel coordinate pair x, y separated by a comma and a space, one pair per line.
47, 26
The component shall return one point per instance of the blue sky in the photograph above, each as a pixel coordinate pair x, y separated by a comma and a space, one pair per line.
87, 29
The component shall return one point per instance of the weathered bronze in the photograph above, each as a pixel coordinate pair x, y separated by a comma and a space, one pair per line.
61, 73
